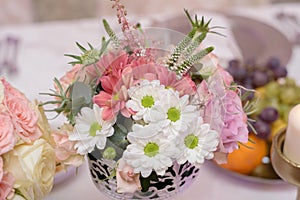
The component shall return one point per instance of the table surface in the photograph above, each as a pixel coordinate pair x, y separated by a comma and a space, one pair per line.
40, 59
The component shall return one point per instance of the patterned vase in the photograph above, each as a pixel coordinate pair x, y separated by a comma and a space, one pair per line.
176, 179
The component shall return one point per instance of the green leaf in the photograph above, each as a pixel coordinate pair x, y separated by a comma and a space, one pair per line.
110, 33
81, 47
81, 96
73, 56
91, 47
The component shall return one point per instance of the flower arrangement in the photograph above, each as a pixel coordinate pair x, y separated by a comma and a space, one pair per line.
27, 158
141, 108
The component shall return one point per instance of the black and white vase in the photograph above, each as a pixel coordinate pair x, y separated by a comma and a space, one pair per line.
176, 179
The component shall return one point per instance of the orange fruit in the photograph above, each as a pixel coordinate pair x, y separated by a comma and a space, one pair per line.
248, 156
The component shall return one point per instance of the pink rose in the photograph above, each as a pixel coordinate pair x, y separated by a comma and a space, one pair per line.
64, 148
127, 180
1, 168
69, 77
24, 118
6, 183
7, 137
22, 113
8, 89
77, 73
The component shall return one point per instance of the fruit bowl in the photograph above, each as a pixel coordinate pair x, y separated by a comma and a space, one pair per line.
247, 178
272, 94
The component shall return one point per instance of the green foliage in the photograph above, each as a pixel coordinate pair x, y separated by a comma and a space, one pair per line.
71, 100
185, 54
88, 56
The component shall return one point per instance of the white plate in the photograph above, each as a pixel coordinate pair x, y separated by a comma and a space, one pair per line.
242, 177
259, 41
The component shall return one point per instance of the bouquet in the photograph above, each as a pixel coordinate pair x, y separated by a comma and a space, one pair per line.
141, 109
27, 157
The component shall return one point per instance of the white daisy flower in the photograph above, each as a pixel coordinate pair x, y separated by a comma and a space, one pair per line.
174, 113
91, 130
197, 144
143, 97
145, 131
146, 155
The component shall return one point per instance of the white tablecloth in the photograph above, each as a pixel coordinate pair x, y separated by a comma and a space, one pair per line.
41, 59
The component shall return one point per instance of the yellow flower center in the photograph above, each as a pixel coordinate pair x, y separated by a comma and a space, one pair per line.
94, 128
151, 149
173, 114
191, 141
147, 101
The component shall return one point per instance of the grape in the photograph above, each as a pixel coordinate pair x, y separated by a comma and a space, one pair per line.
272, 89
234, 64
290, 82
280, 72
273, 63
240, 74
248, 82
269, 114
237, 72
250, 64
260, 78
289, 96
262, 128
284, 112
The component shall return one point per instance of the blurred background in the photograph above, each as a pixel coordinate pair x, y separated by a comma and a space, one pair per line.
27, 11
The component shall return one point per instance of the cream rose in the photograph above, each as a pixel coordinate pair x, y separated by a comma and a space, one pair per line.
33, 166
17, 197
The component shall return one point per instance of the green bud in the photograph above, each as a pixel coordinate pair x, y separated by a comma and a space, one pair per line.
109, 153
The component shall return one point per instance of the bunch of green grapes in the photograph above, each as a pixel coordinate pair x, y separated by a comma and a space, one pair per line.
277, 93
276, 99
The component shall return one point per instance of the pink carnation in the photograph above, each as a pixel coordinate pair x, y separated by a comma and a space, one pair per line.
111, 63
7, 137
159, 72
112, 98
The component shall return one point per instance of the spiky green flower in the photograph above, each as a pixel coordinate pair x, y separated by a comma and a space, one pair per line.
184, 56
88, 56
